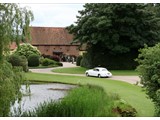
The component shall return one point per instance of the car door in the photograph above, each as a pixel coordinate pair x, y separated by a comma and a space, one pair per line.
95, 72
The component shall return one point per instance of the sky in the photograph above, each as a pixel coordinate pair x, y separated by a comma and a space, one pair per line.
54, 15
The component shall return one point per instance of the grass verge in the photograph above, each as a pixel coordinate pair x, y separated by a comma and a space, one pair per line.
81, 70
134, 95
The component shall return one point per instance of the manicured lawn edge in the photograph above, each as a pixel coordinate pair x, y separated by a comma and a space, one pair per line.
132, 94
81, 70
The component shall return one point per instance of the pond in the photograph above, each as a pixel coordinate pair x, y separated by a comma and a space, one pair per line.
41, 93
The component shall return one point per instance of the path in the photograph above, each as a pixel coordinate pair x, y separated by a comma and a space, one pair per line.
129, 79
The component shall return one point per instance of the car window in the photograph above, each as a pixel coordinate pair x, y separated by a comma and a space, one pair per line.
104, 69
96, 69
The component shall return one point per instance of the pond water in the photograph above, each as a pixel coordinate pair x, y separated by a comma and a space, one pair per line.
41, 93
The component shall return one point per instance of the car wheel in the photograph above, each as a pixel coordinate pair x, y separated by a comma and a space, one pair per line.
99, 75
87, 74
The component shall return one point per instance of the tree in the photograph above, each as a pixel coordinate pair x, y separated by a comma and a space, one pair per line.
14, 24
116, 28
149, 69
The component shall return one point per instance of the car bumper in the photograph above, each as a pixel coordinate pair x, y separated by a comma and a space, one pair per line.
106, 75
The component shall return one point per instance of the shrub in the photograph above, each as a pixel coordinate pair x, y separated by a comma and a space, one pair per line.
124, 109
24, 63
16, 60
33, 60
56, 58
48, 62
59, 64
78, 60
149, 69
86, 61
26, 50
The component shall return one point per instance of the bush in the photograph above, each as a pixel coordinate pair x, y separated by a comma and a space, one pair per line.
56, 58
59, 64
33, 60
96, 56
86, 61
48, 62
16, 60
149, 69
24, 63
78, 60
26, 50
124, 109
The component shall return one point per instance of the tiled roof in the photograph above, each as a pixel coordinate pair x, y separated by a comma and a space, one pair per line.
50, 36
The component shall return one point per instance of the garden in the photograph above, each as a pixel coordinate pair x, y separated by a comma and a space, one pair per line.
93, 97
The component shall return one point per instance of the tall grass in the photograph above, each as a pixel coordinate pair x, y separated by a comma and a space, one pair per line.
84, 101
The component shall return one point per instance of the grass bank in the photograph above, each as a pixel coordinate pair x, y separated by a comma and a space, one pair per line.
81, 70
132, 94
84, 101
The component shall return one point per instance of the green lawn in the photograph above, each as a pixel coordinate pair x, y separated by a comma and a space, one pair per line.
81, 70
128, 92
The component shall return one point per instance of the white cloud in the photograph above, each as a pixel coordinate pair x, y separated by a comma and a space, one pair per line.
54, 15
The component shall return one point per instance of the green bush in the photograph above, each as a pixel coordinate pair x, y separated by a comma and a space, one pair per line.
149, 69
48, 62
33, 60
124, 109
26, 50
59, 64
86, 61
16, 60
24, 63
102, 57
78, 61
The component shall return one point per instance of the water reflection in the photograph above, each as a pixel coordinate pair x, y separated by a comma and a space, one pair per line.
41, 93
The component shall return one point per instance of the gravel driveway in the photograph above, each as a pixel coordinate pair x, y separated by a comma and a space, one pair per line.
129, 79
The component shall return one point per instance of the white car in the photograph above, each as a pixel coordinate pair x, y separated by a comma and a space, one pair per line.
98, 72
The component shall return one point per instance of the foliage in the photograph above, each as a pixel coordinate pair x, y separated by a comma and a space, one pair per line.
53, 57
86, 61
59, 64
116, 29
14, 25
124, 109
85, 101
26, 50
116, 26
10, 84
33, 60
149, 68
16, 60
78, 60
98, 57
47, 62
